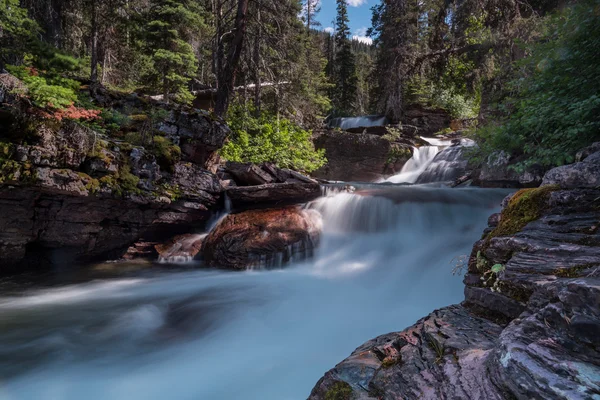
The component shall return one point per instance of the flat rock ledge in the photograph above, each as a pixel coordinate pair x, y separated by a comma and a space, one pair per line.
529, 327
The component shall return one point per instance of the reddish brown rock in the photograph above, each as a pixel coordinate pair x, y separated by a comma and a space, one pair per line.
180, 248
262, 238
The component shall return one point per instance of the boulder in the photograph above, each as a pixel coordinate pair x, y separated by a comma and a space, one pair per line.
10, 88
584, 153
273, 193
248, 174
195, 183
259, 238
198, 135
498, 172
583, 174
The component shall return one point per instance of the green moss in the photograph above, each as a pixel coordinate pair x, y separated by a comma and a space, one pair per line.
572, 272
173, 191
15, 172
398, 153
526, 205
6, 150
167, 153
127, 181
91, 185
339, 391
389, 362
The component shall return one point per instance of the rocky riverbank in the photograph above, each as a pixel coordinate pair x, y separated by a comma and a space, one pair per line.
529, 326
73, 193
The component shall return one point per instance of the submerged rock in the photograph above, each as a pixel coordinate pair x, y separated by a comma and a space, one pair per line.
258, 238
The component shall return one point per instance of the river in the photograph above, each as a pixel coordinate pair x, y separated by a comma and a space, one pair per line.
385, 260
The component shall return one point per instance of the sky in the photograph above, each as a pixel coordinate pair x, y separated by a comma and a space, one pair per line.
359, 12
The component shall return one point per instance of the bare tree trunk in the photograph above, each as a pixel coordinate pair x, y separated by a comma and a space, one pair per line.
257, 79
229, 71
94, 64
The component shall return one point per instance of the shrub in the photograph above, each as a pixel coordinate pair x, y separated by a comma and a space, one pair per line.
555, 106
43, 92
270, 139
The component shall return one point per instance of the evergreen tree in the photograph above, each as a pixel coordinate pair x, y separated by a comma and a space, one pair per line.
172, 23
16, 29
345, 79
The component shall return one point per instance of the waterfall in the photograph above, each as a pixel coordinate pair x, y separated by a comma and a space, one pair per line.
422, 157
447, 165
366, 121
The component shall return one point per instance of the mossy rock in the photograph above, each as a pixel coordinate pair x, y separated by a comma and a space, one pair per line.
339, 391
525, 206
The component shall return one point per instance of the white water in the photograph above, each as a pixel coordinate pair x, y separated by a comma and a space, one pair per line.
385, 260
366, 121
416, 165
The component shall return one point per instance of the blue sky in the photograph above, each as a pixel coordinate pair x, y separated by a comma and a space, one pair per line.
359, 12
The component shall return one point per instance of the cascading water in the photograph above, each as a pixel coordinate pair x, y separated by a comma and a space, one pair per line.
422, 157
384, 261
366, 121
447, 165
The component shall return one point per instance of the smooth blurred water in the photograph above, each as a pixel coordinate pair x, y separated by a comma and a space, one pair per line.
385, 260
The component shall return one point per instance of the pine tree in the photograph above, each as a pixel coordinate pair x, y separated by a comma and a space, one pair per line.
345, 79
172, 22
16, 29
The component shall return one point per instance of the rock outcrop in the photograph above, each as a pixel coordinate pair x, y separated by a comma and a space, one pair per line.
72, 194
529, 327
266, 184
359, 156
497, 171
427, 121
262, 238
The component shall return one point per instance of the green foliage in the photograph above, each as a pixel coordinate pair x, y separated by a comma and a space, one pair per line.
267, 138
17, 30
339, 391
53, 92
167, 153
345, 78
114, 120
448, 96
555, 106
173, 59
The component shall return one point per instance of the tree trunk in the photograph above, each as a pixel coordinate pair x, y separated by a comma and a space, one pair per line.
229, 71
94, 64
257, 79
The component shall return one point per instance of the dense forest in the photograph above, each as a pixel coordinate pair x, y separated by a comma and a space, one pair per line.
528, 71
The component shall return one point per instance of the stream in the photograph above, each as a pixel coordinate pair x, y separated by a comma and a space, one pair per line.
385, 260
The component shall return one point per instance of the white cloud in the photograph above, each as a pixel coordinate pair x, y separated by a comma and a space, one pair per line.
356, 3
329, 29
363, 39
361, 31
361, 35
